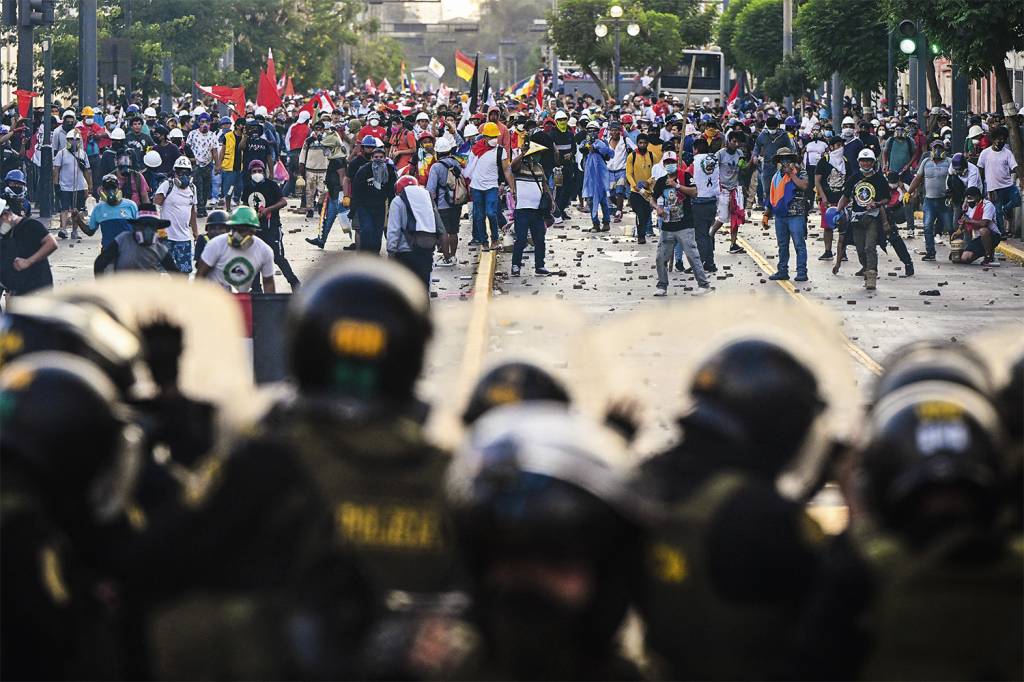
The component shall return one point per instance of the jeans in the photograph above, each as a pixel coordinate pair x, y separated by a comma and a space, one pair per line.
898, 245
485, 207
371, 228
273, 238
293, 172
1004, 196
529, 222
564, 194
420, 261
935, 209
865, 238
666, 247
215, 186
792, 227
231, 185
703, 215
203, 179
334, 209
642, 208
766, 188
605, 209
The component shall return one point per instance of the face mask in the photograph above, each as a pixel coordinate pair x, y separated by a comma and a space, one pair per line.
671, 168
847, 133
73, 145
901, 133
112, 196
881, 133
124, 169
183, 180
88, 121
867, 172
562, 126
239, 240
772, 130
145, 236
828, 134
492, 142
67, 126
378, 163
17, 192
258, 177
936, 153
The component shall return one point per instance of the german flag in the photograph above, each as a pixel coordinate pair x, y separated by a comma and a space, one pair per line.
464, 66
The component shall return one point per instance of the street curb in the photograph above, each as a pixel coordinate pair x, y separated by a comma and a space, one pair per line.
1012, 252
476, 330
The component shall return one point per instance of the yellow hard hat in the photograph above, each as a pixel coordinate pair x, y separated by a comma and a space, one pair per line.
86, 111
490, 129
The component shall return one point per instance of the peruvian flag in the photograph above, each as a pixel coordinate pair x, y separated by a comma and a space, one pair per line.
385, 86
320, 101
233, 97
370, 87
270, 66
734, 93
282, 82
289, 88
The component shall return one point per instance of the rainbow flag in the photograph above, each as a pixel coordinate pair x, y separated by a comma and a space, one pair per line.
464, 65
523, 88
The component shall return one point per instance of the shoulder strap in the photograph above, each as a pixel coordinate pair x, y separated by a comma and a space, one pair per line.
410, 223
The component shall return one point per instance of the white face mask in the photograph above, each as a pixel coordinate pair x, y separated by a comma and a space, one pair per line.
258, 177
493, 141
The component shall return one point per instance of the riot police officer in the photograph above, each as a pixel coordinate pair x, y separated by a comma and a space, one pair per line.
728, 566
513, 382
927, 585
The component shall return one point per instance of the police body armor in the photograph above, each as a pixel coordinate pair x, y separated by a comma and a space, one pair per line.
938, 618
383, 484
708, 636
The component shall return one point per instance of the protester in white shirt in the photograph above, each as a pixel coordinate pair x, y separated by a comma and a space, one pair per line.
176, 198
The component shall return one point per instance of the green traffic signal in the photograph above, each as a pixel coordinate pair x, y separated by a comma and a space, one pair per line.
908, 40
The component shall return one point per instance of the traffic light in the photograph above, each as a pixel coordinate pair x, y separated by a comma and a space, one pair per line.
908, 35
35, 12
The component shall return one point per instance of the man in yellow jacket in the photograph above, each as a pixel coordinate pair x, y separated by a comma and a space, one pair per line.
639, 164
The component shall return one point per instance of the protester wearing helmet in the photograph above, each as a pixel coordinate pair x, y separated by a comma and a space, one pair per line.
414, 228
866, 193
15, 193
449, 191
938, 217
234, 260
72, 175
565, 171
313, 161
138, 248
176, 198
112, 215
264, 197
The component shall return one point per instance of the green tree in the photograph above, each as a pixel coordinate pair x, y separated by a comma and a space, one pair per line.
976, 35
790, 78
658, 46
725, 29
757, 40
378, 57
571, 32
695, 24
848, 36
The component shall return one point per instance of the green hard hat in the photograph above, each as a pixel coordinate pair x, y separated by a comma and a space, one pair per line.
244, 216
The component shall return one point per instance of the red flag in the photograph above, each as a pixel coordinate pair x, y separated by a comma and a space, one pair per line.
370, 87
321, 101
233, 97
24, 102
282, 82
266, 92
385, 86
289, 88
270, 66
540, 91
734, 93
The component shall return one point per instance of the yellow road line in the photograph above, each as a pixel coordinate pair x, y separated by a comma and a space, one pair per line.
1012, 253
856, 351
476, 330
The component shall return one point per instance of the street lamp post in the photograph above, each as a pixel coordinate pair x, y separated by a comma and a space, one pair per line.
601, 30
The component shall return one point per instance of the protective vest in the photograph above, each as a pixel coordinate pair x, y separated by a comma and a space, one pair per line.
937, 619
696, 633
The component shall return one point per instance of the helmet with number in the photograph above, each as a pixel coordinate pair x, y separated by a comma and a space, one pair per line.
182, 163
359, 329
152, 159
62, 425
535, 484
513, 382
934, 361
729, 392
490, 129
932, 438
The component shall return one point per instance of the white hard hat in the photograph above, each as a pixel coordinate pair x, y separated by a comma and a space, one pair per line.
706, 100
74, 134
848, 121
150, 112
974, 132
444, 145
175, 133
470, 130
573, 122
561, 115
116, 134
260, 111
69, 112
199, 110
422, 116
304, 116
182, 162
372, 116
152, 159
866, 154
874, 121
183, 112
945, 129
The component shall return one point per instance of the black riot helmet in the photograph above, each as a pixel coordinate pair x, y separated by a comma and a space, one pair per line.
513, 382
731, 393
928, 439
84, 328
359, 329
536, 485
933, 361
63, 427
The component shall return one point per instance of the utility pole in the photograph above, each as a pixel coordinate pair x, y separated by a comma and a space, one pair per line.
166, 105
922, 78
890, 80
787, 42
45, 202
87, 80
554, 56
195, 88
25, 60
127, 28
961, 102
837, 99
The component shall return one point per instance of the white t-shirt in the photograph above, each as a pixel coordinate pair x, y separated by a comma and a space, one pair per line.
483, 170
177, 208
528, 191
973, 177
997, 167
234, 268
705, 175
812, 153
618, 160
988, 212
69, 168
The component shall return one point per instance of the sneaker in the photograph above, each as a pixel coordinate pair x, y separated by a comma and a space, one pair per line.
515, 271
679, 265
703, 289
844, 259
688, 271
495, 245
939, 241
445, 263
736, 248
558, 221
828, 255
543, 272
594, 228
641, 240
990, 262
870, 279
566, 214
62, 234
928, 257
315, 242
710, 268
473, 242
779, 276
309, 214
800, 278
661, 291
908, 270
351, 247
859, 273
605, 227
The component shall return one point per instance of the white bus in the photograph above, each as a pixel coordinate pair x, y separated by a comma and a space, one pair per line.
710, 78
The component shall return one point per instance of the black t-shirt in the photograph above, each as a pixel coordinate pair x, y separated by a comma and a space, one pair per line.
333, 180
256, 148
354, 165
265, 193
678, 213
833, 180
21, 242
862, 190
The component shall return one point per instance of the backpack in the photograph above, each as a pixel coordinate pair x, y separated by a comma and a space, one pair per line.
417, 238
456, 187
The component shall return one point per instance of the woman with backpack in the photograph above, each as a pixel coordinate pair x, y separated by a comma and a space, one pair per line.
448, 189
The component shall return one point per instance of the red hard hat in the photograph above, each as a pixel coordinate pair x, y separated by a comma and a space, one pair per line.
405, 181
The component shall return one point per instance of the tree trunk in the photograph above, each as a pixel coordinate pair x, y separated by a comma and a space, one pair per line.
599, 82
933, 82
1003, 88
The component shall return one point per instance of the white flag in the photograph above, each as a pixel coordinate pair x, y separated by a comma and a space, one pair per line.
435, 67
